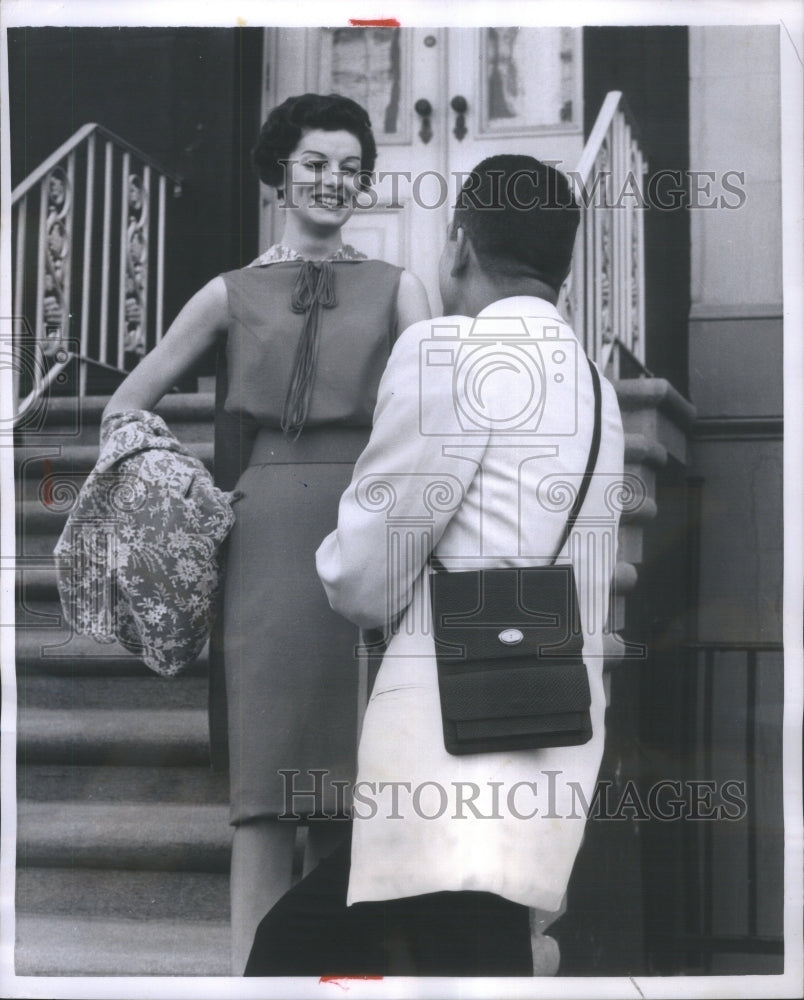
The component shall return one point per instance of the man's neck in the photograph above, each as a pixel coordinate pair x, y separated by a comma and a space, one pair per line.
480, 294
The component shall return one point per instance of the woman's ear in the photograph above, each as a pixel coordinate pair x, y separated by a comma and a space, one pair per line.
460, 259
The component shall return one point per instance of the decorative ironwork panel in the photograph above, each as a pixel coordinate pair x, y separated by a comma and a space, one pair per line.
637, 263
603, 274
136, 263
57, 258
68, 269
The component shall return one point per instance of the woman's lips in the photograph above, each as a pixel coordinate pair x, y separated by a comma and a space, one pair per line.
331, 204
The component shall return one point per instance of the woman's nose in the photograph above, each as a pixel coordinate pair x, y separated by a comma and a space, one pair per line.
329, 176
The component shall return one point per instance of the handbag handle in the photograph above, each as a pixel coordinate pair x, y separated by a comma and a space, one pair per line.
583, 489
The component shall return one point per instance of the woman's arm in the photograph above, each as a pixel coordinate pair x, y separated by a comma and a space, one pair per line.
195, 330
411, 302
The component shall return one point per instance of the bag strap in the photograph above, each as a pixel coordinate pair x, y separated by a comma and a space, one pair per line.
594, 449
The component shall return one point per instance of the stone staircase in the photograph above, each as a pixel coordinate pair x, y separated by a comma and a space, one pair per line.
122, 827
123, 841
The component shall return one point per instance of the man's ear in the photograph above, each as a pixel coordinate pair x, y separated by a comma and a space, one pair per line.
461, 259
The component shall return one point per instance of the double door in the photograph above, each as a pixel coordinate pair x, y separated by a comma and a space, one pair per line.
440, 100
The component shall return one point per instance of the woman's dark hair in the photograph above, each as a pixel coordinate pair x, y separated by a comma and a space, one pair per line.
288, 121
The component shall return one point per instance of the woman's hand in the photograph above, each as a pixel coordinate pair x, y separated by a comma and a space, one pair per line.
412, 305
196, 329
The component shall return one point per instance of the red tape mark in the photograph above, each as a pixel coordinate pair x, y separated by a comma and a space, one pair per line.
380, 22
342, 980
47, 486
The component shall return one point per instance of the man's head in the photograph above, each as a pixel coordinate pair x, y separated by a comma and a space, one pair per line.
515, 221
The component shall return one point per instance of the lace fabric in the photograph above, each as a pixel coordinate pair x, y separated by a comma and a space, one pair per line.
280, 254
137, 560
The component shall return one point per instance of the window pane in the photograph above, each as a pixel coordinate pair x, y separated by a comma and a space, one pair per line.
365, 64
530, 78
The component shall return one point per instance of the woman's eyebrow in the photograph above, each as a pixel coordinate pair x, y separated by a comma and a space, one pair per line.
315, 152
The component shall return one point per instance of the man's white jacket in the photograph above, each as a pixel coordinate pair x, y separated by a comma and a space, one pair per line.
481, 436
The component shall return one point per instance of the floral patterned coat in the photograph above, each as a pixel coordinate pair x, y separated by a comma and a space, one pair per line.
137, 560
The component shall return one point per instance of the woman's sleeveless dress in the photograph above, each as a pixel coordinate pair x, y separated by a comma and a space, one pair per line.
290, 661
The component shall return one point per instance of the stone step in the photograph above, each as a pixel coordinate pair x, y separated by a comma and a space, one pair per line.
640, 449
38, 583
55, 651
127, 693
53, 475
126, 835
653, 408
166, 737
75, 946
188, 415
625, 577
35, 517
63, 782
644, 512
131, 895
70, 457
631, 539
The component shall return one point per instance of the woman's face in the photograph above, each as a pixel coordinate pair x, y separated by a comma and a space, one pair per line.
321, 177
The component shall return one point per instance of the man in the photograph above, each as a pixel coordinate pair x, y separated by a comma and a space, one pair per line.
484, 424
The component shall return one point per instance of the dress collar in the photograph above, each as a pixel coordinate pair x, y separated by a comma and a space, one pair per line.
279, 253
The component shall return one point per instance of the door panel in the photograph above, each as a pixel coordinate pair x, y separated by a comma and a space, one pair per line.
522, 87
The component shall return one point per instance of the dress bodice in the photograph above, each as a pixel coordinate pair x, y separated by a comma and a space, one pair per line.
356, 327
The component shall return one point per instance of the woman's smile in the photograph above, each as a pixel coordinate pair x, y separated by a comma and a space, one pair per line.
329, 202
321, 177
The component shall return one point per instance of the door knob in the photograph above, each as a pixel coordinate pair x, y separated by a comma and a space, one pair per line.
460, 107
424, 110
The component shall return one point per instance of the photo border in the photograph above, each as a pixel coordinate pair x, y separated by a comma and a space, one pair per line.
210, 12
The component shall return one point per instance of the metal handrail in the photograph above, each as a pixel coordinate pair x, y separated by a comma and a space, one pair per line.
73, 142
97, 308
604, 297
614, 101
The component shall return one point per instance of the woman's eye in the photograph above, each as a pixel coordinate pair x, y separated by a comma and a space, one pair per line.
317, 165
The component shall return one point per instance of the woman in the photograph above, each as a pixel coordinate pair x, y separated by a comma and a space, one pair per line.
308, 326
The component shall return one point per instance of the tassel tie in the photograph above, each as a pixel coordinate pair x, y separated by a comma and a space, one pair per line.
314, 288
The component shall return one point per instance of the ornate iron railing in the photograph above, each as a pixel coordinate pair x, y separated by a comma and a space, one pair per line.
88, 260
604, 296
732, 729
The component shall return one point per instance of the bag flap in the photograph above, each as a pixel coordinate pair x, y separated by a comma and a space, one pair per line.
514, 692
471, 609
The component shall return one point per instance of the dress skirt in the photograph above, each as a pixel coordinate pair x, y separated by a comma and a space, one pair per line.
290, 661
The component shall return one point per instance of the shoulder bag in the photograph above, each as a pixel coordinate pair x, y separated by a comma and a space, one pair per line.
509, 648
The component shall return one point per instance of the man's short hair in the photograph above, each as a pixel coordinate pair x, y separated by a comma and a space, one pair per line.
520, 217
